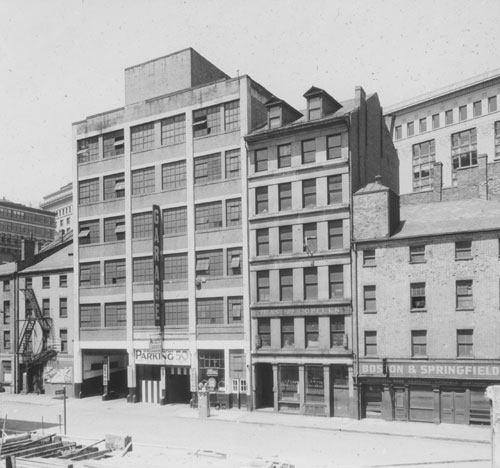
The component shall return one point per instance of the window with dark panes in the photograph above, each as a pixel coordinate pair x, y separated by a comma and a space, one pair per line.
335, 234
87, 150
6, 339
212, 359
207, 168
143, 181
233, 163
46, 307
288, 385
369, 299
314, 108
261, 200
284, 155
262, 286
369, 257
310, 239
90, 315
114, 186
308, 151
63, 337
309, 193
424, 156
312, 332
114, 272
209, 263
234, 261
210, 311
462, 113
144, 314
463, 150
492, 104
334, 189
417, 253
337, 330
46, 282
232, 115
89, 232
63, 307
448, 117
206, 121
175, 221
336, 281
286, 285
6, 312
285, 196
90, 274
142, 137
177, 313
464, 294
417, 296
264, 331
208, 216
398, 132
315, 384
114, 229
286, 239
410, 129
370, 343
275, 116
6, 285
173, 175
477, 108
262, 240
435, 121
63, 281
261, 160
142, 269
287, 332
115, 315
418, 343
142, 225
173, 130
464, 343
463, 250
310, 283
113, 144
234, 309
422, 124
233, 212
88, 191
175, 266
334, 147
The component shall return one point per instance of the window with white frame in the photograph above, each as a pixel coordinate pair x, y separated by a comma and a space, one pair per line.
210, 311
90, 274
114, 229
89, 232
173, 175
424, 156
115, 314
90, 315
233, 163
177, 313
114, 272
142, 137
87, 150
262, 241
143, 181
209, 263
233, 212
235, 309
88, 191
207, 169
173, 130
463, 151
113, 144
175, 221
208, 216
232, 115
175, 266
142, 225
114, 186
234, 261
206, 121
284, 155
142, 269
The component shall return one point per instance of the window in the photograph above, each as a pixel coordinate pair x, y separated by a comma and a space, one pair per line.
173, 175
285, 196
448, 117
315, 384
175, 221
310, 241
173, 130
142, 269
418, 343
464, 294
417, 253
288, 385
463, 150
462, 113
208, 216
262, 239
477, 109
6, 312
314, 108
63, 281
28, 308
232, 115
334, 189
210, 359
46, 307
6, 285
175, 266
234, 309
29, 283
334, 147
312, 332
370, 343
233, 212
261, 200
417, 296
88, 191
142, 137
286, 239
210, 311
398, 132
497, 140
369, 258
63, 337
177, 313
464, 343
310, 283
144, 315
492, 104
424, 156
463, 250
335, 234
114, 229
422, 124
274, 116
286, 285
410, 129
435, 121
261, 160
264, 331
142, 225
233, 163
262, 286
206, 121
63, 307
46, 282
90, 274
336, 281
237, 370
369, 299
207, 169
287, 332
308, 193
308, 151
89, 232
113, 144
234, 259
114, 272
209, 263
285, 155
114, 186
115, 315
6, 339
90, 315
337, 330
6, 376
88, 150
143, 181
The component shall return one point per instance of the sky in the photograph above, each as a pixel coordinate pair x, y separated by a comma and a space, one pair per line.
62, 60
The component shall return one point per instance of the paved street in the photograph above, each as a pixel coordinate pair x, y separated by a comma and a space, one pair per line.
303, 441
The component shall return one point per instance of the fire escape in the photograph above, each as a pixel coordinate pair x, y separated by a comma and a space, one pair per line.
25, 347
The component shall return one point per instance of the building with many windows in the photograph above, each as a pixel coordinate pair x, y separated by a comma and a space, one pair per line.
61, 203
155, 321
303, 170
428, 298
19, 222
451, 126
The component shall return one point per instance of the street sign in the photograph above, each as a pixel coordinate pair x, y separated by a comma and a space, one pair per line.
61, 392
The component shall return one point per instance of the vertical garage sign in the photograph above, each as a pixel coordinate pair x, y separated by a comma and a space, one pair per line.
157, 282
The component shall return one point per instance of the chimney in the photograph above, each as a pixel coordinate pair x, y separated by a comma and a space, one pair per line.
437, 184
27, 249
482, 163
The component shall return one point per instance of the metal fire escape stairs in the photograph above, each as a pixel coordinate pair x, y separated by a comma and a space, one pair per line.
25, 346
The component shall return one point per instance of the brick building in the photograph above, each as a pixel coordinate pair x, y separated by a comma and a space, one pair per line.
176, 145
450, 125
428, 298
303, 169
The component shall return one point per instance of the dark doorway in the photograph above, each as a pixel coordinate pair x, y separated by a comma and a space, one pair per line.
264, 395
178, 390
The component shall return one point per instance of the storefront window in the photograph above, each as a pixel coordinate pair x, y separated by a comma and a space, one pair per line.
289, 383
211, 368
315, 384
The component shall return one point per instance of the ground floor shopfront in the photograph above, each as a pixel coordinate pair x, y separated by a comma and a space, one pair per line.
448, 392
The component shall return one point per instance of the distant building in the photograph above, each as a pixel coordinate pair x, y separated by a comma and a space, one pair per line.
61, 203
428, 298
19, 222
303, 170
451, 125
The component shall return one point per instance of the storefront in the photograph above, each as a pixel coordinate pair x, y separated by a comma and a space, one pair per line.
448, 392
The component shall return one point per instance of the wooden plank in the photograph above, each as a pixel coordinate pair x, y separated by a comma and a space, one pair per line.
92, 455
